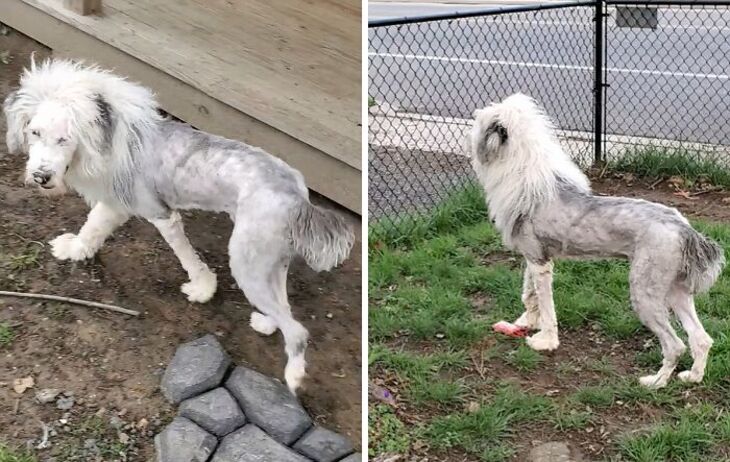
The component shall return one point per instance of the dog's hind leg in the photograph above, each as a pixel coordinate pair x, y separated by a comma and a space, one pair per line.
203, 281
649, 289
700, 342
259, 257
531, 317
547, 337
101, 222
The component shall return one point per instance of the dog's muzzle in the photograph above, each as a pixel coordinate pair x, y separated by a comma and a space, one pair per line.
40, 178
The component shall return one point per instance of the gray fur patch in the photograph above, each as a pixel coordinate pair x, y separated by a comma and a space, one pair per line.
104, 120
702, 261
321, 236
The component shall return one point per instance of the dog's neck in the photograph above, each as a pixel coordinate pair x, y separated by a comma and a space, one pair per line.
521, 180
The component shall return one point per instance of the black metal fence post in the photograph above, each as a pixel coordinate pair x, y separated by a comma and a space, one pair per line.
598, 85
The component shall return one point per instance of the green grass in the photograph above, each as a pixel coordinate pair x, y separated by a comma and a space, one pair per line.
664, 162
483, 432
6, 334
688, 436
27, 259
437, 283
7, 454
597, 396
570, 419
524, 358
387, 433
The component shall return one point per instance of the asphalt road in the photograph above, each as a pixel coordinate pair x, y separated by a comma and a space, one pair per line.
669, 83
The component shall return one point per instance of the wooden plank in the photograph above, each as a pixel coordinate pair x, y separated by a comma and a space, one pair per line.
325, 174
83, 7
276, 61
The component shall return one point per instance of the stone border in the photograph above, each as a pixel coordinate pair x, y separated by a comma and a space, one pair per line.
242, 416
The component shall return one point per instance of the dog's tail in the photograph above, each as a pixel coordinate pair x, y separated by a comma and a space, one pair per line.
702, 261
323, 237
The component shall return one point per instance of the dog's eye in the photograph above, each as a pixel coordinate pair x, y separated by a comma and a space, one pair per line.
61, 140
35, 133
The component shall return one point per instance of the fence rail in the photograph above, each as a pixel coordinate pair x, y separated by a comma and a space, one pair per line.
618, 77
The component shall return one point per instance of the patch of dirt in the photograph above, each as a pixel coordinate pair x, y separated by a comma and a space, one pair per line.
703, 203
114, 362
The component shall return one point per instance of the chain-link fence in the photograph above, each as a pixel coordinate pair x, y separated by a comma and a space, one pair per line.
661, 70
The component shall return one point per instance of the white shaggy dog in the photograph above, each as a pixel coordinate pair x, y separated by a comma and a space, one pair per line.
542, 204
100, 135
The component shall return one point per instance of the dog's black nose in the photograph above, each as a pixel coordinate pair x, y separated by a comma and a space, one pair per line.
41, 177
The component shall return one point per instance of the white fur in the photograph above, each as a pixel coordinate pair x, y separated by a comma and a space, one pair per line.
263, 324
102, 136
533, 155
541, 203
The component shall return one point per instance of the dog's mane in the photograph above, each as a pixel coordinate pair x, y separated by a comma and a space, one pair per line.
113, 119
529, 167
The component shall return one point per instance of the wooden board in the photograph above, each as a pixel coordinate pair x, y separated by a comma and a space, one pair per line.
293, 65
324, 173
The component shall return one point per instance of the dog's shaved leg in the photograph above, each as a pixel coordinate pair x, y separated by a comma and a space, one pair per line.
650, 290
531, 317
203, 281
101, 222
699, 342
547, 337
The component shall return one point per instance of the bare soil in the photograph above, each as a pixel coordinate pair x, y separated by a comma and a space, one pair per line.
113, 362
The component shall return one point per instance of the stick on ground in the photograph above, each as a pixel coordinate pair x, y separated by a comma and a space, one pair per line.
75, 301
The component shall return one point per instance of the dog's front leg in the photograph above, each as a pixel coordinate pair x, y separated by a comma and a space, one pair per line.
530, 319
203, 281
101, 222
547, 337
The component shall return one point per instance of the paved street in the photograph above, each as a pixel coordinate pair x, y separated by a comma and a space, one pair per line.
669, 83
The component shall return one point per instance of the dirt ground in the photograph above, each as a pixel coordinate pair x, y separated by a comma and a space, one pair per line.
112, 363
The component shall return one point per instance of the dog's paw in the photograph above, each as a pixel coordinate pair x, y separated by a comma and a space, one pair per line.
295, 373
655, 381
528, 320
202, 288
70, 247
690, 376
543, 341
263, 324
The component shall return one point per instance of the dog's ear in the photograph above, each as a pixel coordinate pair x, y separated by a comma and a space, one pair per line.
494, 137
17, 120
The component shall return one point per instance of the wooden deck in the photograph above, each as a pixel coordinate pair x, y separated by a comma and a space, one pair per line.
282, 75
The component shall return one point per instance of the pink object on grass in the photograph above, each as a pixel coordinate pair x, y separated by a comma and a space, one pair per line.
507, 328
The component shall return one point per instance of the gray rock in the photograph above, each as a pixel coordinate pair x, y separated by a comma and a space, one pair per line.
197, 366
183, 441
324, 445
269, 404
357, 457
552, 452
65, 403
47, 395
216, 411
251, 444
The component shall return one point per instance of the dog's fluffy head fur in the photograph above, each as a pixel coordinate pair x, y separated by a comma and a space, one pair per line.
69, 118
518, 159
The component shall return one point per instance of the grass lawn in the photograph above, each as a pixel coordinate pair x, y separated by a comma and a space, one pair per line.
10, 455
461, 392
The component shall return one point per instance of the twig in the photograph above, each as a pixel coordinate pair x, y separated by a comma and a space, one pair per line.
44, 439
654, 184
603, 170
16, 407
75, 301
705, 191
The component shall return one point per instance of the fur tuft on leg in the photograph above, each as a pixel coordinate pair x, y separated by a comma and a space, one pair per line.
321, 236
